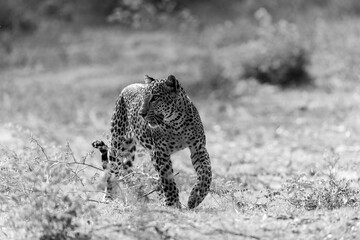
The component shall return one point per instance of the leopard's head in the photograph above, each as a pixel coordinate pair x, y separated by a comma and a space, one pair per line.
160, 100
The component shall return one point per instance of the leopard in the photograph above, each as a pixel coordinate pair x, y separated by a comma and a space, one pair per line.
159, 116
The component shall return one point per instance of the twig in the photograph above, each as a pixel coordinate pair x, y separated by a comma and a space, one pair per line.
222, 231
1, 228
107, 226
41, 147
152, 191
80, 163
86, 191
226, 231
71, 151
215, 199
92, 200
87, 165
156, 189
77, 176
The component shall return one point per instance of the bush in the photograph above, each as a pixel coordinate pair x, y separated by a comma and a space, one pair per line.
322, 192
14, 17
22, 16
278, 56
42, 193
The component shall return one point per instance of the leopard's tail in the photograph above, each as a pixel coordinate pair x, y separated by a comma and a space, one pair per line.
103, 148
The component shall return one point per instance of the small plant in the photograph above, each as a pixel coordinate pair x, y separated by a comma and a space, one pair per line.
61, 225
329, 192
44, 192
221, 187
138, 184
278, 56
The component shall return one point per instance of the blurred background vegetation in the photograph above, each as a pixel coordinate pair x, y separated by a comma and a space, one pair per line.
267, 40
91, 49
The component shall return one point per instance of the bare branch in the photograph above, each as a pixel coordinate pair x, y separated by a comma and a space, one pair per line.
152, 191
226, 231
87, 165
32, 139
92, 200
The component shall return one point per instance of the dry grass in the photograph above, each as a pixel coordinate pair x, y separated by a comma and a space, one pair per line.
267, 145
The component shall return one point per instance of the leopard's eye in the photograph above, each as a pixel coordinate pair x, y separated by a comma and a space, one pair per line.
153, 98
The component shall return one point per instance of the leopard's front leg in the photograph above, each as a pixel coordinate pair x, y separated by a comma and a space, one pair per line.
163, 166
201, 162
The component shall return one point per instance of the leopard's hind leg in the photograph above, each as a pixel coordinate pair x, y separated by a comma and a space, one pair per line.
115, 163
104, 151
119, 156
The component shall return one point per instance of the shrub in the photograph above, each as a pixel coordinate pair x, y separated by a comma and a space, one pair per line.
22, 16
14, 17
277, 56
338, 7
329, 192
43, 193
313, 194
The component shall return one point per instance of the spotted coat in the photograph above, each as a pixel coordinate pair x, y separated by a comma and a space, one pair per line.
160, 116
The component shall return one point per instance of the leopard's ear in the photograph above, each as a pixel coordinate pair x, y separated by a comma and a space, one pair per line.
148, 79
172, 83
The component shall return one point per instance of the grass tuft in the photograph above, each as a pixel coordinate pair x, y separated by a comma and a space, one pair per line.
327, 192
